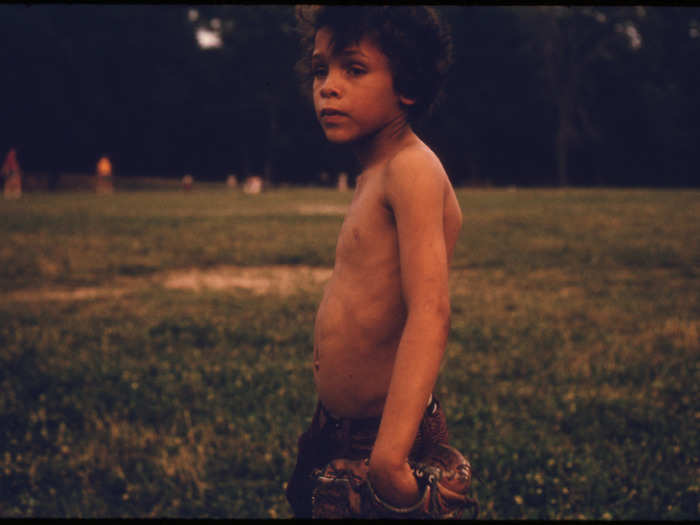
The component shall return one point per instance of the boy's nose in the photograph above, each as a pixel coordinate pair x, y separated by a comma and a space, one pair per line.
330, 87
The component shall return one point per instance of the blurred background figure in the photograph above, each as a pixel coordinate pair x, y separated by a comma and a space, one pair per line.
232, 182
253, 185
11, 174
343, 182
187, 182
104, 184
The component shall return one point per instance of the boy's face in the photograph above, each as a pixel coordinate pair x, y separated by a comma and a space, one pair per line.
353, 89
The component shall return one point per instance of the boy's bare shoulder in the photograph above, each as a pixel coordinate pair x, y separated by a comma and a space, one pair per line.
417, 167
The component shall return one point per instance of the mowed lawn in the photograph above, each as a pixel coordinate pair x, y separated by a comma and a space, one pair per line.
154, 350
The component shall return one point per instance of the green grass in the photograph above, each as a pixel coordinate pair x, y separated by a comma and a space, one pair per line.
571, 377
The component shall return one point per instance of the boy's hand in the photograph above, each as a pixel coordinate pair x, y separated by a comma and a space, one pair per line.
343, 489
395, 486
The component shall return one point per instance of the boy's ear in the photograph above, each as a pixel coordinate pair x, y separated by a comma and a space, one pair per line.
406, 101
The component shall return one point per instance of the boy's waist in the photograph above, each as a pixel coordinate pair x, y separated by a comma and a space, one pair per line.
369, 423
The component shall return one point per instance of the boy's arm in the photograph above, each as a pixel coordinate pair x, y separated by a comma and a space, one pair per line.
415, 190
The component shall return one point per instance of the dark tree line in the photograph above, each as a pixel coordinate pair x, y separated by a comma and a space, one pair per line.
599, 95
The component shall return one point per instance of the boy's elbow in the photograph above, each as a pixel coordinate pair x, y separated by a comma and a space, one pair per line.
444, 315
442, 309
437, 312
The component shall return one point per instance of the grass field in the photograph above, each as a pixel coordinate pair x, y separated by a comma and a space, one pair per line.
154, 351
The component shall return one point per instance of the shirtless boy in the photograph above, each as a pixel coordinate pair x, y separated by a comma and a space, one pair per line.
382, 325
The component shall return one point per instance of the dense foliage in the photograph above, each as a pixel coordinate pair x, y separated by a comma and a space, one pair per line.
602, 95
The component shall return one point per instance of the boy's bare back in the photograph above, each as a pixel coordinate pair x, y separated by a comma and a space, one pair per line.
362, 315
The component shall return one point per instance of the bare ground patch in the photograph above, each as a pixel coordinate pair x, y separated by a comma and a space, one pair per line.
281, 279
66, 294
322, 209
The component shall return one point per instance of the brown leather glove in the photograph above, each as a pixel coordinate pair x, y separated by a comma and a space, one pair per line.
343, 490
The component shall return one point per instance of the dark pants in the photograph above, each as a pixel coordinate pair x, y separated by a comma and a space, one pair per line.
329, 438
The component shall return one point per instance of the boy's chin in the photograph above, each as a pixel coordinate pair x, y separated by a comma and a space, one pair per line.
339, 141
339, 138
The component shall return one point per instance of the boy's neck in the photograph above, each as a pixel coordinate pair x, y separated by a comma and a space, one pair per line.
383, 144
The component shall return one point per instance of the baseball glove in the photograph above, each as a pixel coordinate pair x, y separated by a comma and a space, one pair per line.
343, 490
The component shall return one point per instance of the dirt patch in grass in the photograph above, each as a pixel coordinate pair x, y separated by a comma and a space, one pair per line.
62, 294
281, 279
322, 209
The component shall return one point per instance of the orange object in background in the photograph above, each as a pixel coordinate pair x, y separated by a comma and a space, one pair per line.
104, 167
104, 184
12, 189
10, 165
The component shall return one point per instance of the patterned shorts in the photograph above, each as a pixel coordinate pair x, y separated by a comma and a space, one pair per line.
328, 438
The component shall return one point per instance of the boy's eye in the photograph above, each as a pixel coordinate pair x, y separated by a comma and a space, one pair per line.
356, 70
318, 71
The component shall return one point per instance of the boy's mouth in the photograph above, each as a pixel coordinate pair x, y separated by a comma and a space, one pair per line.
329, 112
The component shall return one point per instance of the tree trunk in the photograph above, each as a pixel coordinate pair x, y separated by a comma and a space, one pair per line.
245, 160
562, 150
268, 170
563, 138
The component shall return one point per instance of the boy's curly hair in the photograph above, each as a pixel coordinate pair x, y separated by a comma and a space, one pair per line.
414, 39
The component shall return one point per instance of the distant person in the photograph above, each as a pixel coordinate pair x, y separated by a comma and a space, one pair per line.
343, 182
104, 185
187, 182
382, 325
104, 167
11, 173
253, 185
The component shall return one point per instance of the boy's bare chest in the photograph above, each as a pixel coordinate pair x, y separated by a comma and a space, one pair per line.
368, 231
